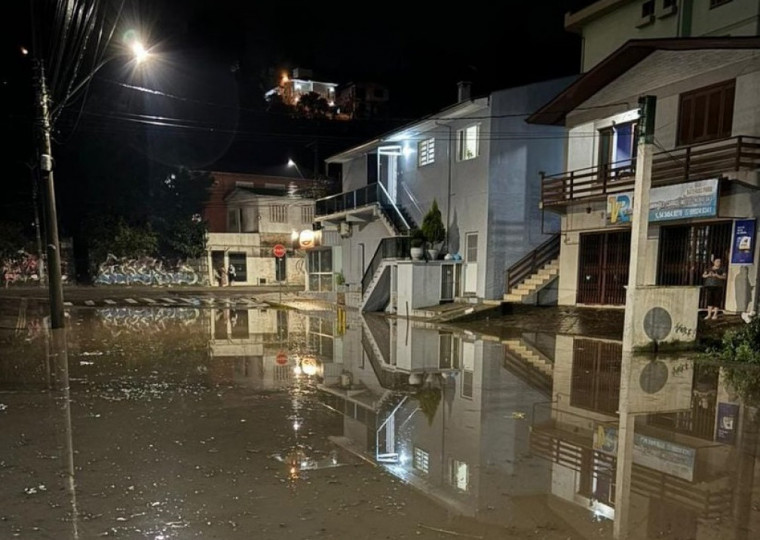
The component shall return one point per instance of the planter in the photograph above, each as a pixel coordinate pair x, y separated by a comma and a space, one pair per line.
432, 254
416, 253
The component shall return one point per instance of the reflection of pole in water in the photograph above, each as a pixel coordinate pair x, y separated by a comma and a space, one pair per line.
59, 361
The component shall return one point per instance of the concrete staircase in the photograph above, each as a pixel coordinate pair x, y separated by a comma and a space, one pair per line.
378, 292
534, 282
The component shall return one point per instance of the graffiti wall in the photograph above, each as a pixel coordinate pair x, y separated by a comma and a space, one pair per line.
21, 268
147, 271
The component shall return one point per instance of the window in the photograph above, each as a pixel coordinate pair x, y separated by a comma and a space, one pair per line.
717, 3
307, 214
234, 219
668, 4
467, 142
421, 460
471, 252
647, 9
459, 475
706, 114
278, 213
617, 150
426, 152
320, 270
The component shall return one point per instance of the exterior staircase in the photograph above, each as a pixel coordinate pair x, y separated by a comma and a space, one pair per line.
533, 272
376, 283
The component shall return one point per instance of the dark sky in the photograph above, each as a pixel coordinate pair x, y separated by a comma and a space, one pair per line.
419, 49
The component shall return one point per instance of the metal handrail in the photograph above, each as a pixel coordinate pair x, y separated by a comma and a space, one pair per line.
394, 247
532, 262
390, 202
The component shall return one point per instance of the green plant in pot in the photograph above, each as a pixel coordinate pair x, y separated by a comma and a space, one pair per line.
434, 230
417, 244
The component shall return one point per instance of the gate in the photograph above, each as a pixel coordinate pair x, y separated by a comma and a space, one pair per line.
686, 250
603, 267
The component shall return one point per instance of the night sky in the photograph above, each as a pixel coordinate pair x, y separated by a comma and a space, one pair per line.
199, 103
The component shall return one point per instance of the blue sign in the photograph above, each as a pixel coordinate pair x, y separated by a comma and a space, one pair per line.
743, 251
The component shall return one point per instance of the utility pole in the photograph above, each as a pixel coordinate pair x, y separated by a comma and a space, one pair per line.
639, 228
55, 283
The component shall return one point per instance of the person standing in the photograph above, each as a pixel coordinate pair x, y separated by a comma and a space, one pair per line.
230, 274
715, 281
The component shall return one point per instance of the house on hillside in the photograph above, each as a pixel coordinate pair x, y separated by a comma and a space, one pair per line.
478, 160
247, 215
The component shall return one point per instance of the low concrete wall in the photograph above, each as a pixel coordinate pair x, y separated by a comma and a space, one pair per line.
665, 317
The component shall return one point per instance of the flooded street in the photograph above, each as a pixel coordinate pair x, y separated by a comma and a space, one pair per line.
246, 421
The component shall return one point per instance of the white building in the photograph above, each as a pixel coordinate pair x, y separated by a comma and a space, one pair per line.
705, 172
478, 160
247, 216
607, 24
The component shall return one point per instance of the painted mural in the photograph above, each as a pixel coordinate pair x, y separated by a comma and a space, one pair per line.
21, 268
146, 271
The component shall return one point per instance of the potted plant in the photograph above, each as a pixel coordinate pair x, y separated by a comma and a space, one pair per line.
434, 230
417, 244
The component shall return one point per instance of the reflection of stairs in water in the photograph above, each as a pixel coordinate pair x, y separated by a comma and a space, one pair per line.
535, 368
376, 340
378, 292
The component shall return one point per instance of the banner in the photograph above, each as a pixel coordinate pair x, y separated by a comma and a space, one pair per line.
668, 203
728, 420
743, 251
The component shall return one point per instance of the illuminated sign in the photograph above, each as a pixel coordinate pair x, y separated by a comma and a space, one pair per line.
306, 239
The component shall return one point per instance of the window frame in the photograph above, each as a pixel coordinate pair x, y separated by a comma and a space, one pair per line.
463, 140
426, 152
278, 213
727, 102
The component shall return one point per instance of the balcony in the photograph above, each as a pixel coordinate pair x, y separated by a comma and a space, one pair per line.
687, 164
364, 200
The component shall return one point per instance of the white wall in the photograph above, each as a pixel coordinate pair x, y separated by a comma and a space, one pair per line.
419, 285
365, 237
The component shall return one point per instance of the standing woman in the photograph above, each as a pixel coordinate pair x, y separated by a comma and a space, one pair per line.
715, 280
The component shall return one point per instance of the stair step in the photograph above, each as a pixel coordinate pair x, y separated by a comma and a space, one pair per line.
511, 297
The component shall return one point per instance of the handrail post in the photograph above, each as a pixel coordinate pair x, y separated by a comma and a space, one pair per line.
687, 164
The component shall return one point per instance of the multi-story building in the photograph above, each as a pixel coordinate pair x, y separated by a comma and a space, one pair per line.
358, 100
476, 160
704, 200
247, 215
292, 87
606, 25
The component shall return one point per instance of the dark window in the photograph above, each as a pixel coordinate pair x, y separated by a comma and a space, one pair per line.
361, 93
716, 3
647, 9
667, 4
706, 114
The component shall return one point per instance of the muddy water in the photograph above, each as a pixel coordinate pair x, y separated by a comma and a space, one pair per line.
181, 422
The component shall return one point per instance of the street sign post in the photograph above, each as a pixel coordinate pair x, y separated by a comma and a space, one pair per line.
279, 252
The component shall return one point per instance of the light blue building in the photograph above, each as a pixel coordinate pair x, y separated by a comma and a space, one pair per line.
480, 161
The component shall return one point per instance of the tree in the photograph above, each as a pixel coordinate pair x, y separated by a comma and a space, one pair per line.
313, 105
432, 225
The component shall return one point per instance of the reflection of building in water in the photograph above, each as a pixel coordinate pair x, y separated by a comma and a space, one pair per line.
444, 412
682, 472
265, 347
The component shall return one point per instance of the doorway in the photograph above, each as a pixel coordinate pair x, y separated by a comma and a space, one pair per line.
686, 250
603, 268
471, 263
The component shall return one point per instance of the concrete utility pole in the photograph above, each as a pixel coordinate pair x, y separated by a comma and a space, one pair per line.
639, 228
640, 215
55, 282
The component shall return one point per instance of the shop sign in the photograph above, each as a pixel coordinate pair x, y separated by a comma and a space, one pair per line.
664, 456
306, 239
728, 419
668, 203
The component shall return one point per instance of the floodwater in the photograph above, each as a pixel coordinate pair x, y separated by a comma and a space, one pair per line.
152, 422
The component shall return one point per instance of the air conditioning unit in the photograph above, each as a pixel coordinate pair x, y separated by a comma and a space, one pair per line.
344, 229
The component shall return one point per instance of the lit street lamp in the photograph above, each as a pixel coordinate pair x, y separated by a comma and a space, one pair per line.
292, 163
44, 120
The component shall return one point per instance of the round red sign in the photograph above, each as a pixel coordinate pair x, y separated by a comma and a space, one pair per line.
278, 250
282, 359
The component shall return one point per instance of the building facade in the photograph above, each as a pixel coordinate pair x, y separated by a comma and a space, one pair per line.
704, 196
607, 24
475, 159
247, 216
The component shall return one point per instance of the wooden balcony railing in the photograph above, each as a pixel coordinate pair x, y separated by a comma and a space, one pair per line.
696, 162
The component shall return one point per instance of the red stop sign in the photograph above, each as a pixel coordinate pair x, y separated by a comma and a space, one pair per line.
278, 251
282, 359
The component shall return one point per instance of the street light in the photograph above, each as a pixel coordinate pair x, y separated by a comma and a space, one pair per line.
44, 120
292, 163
